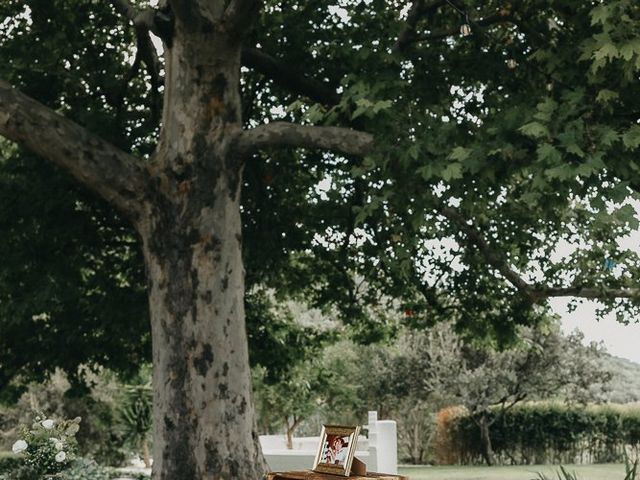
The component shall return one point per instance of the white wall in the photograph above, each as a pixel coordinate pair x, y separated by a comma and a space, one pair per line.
379, 452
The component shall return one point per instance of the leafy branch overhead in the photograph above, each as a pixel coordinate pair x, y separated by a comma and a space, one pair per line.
457, 160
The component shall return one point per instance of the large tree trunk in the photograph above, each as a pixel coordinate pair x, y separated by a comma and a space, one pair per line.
191, 231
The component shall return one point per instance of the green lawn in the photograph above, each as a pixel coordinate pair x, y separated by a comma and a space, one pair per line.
585, 472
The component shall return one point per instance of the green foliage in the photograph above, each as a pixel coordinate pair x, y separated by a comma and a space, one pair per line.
135, 417
278, 340
562, 474
84, 469
533, 156
99, 436
630, 467
548, 432
23, 472
48, 445
624, 386
9, 462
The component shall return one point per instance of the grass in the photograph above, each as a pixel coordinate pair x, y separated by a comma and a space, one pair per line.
528, 472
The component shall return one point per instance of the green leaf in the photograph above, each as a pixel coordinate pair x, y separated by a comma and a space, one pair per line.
414, 151
534, 130
530, 197
629, 49
549, 154
460, 154
453, 171
315, 113
595, 161
627, 215
381, 105
584, 170
561, 172
605, 96
545, 110
575, 149
607, 51
600, 14
427, 172
608, 136
620, 192
631, 138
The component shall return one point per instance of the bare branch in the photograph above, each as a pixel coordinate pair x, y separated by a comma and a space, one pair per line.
283, 134
289, 77
98, 165
535, 293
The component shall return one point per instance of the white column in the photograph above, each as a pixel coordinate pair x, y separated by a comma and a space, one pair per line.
372, 461
386, 447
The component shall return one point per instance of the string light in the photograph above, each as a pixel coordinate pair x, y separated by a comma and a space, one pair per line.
511, 63
465, 28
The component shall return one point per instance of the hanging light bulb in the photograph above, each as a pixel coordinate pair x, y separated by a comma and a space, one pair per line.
465, 29
511, 63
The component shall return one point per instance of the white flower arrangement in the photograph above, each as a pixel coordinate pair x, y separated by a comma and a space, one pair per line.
48, 424
19, 447
49, 445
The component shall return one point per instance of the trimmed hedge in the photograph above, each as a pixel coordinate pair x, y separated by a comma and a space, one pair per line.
542, 432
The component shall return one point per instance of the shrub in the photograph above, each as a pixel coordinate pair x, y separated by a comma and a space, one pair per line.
543, 432
9, 462
85, 469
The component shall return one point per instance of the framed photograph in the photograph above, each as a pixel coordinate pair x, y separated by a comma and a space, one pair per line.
336, 450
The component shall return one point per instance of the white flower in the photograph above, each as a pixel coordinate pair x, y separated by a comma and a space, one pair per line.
57, 444
19, 446
73, 429
61, 457
47, 424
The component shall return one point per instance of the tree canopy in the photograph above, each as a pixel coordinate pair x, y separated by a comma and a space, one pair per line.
507, 160
431, 155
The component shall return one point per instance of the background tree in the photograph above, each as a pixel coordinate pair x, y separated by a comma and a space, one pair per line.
503, 148
545, 365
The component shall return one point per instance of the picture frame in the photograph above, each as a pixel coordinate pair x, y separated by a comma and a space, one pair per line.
336, 450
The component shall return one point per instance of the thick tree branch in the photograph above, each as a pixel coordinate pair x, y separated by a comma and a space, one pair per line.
418, 9
239, 16
495, 259
494, 19
535, 293
283, 134
289, 77
587, 292
146, 20
98, 165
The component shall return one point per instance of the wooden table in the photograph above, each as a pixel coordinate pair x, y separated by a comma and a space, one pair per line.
309, 475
